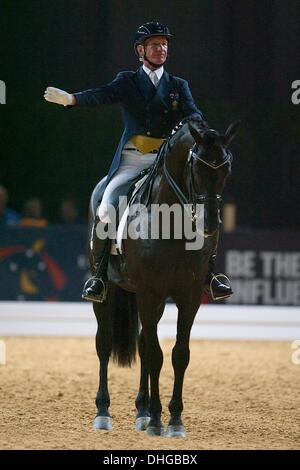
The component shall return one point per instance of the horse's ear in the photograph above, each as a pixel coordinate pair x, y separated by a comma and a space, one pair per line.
195, 133
231, 132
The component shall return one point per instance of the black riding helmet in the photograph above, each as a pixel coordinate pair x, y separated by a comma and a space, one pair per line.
148, 30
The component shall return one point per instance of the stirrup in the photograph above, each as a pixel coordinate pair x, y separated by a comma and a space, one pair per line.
94, 297
225, 281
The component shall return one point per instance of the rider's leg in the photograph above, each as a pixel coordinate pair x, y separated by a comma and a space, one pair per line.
217, 285
95, 287
101, 236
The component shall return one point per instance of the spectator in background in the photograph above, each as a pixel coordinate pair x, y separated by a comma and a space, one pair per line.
7, 216
69, 213
32, 214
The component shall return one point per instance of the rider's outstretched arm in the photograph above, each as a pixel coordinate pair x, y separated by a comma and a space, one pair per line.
106, 94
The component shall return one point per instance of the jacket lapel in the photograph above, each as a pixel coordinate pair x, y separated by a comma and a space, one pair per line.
163, 89
147, 90
145, 86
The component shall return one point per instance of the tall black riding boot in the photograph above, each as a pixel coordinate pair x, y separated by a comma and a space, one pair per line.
217, 285
95, 288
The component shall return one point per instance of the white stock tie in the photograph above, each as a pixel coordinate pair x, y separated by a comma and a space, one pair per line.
154, 79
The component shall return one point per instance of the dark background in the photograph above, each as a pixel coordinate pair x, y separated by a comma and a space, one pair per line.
240, 58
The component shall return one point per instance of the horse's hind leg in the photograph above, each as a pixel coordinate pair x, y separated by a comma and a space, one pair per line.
142, 399
103, 347
180, 361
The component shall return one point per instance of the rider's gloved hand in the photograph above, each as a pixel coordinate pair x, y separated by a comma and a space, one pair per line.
55, 95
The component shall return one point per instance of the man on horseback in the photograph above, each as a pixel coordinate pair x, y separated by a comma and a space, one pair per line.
152, 102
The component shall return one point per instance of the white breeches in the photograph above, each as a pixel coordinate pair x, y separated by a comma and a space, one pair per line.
132, 163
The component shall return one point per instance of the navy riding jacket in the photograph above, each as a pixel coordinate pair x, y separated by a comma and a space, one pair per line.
146, 110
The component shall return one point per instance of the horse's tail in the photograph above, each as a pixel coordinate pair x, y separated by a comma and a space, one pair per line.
124, 316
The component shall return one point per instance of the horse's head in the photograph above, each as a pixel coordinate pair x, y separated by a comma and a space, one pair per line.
208, 166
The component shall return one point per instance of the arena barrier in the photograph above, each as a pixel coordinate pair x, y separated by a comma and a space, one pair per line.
212, 321
50, 264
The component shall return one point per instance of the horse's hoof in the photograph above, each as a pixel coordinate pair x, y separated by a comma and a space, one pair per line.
155, 431
175, 430
142, 423
103, 422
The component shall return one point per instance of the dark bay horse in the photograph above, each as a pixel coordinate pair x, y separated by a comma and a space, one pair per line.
192, 170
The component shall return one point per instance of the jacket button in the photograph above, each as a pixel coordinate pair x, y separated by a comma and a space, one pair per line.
165, 111
148, 132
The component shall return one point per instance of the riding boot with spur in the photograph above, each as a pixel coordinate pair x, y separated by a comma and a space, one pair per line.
95, 288
217, 285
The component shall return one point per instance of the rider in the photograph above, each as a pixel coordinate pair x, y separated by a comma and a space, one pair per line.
152, 102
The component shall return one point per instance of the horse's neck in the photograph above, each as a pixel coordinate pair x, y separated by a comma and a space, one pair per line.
176, 161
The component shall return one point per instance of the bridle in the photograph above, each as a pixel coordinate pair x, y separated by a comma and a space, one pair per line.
194, 198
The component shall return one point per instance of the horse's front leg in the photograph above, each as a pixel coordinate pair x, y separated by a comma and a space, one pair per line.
180, 361
142, 399
150, 311
103, 347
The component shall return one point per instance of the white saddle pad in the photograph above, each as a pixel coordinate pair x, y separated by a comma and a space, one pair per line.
117, 244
